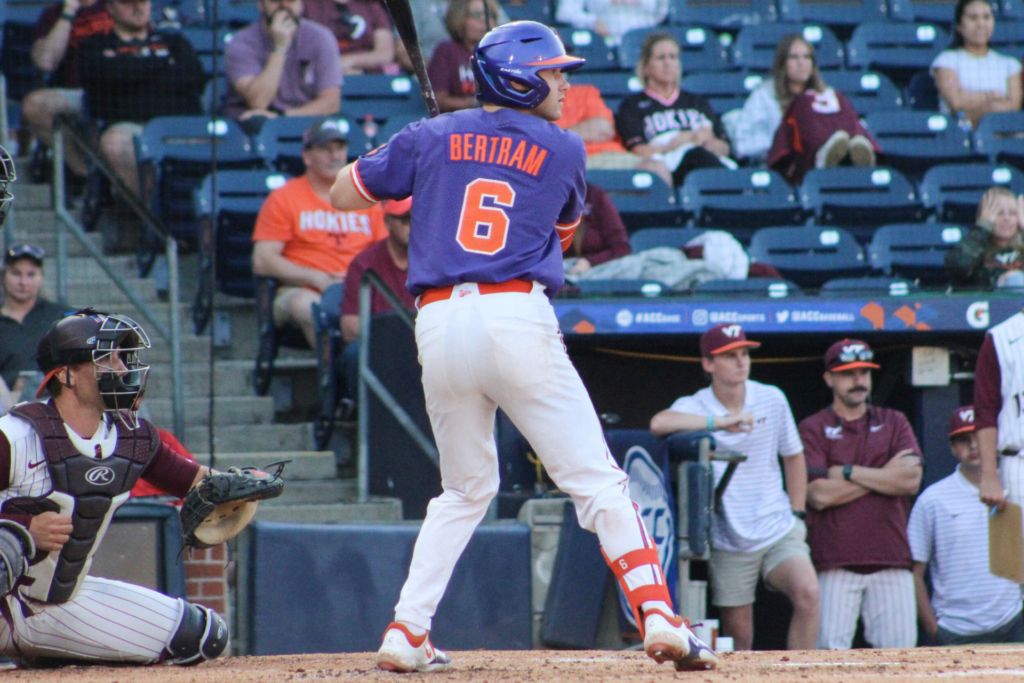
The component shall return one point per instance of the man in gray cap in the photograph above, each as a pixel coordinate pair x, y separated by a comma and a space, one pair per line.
301, 240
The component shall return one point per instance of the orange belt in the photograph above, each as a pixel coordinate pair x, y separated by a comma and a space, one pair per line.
442, 293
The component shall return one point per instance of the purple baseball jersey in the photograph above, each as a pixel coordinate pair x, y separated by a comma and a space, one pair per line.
497, 196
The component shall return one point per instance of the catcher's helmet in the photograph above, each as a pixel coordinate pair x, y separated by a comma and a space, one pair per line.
516, 52
88, 336
7, 176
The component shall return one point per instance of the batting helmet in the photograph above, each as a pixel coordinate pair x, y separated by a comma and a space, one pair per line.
516, 52
88, 336
7, 176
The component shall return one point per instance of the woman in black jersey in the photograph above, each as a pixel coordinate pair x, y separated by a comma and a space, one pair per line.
673, 130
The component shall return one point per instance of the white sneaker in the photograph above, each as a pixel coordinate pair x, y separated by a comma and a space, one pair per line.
402, 652
862, 152
669, 639
833, 151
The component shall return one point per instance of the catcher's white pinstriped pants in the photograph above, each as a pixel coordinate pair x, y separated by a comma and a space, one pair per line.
885, 599
479, 352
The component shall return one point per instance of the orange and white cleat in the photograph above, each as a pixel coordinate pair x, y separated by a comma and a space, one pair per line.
668, 638
402, 652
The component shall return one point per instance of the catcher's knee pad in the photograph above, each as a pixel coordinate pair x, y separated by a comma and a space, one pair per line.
16, 551
201, 635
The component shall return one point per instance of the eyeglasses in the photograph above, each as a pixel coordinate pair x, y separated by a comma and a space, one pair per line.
851, 356
17, 251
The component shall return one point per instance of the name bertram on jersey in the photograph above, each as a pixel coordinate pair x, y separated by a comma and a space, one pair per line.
497, 150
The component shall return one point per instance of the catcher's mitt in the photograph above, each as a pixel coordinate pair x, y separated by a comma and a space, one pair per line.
224, 502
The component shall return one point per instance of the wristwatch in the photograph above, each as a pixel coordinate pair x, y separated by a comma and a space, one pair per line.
847, 471
800, 514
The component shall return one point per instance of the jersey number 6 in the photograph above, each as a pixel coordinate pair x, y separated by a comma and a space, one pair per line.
484, 229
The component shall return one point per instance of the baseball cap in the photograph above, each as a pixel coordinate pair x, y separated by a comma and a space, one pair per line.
961, 421
398, 207
325, 130
849, 354
724, 337
19, 251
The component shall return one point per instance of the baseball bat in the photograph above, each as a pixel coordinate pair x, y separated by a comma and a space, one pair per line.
401, 15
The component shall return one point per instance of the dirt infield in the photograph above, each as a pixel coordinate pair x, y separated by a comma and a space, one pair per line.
994, 664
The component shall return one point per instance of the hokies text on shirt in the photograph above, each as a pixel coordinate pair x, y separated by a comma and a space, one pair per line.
335, 221
674, 119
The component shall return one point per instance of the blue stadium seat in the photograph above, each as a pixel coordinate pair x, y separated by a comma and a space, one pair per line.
922, 95
649, 238
1010, 9
381, 96
722, 15
280, 141
591, 47
999, 137
724, 91
831, 12
809, 255
868, 92
23, 11
874, 286
896, 48
207, 43
740, 200
755, 45
1007, 36
529, 10
860, 199
612, 85
701, 49
236, 13
174, 155
392, 126
643, 199
646, 288
953, 191
763, 286
915, 250
16, 56
940, 11
211, 103
914, 141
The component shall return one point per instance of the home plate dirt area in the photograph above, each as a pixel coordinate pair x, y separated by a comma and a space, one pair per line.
990, 664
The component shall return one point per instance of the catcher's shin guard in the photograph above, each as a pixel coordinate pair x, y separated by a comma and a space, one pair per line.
639, 573
16, 550
201, 635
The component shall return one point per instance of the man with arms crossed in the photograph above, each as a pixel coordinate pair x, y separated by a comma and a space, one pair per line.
760, 528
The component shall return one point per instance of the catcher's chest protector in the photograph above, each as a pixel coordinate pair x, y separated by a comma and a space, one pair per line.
90, 489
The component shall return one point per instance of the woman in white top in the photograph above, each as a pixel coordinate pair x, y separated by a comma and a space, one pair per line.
970, 77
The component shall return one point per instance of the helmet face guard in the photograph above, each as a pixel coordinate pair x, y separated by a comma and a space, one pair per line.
7, 176
121, 384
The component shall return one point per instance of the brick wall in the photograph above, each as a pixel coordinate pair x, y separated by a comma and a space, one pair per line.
206, 579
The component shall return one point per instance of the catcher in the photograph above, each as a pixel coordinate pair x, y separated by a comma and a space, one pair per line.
72, 463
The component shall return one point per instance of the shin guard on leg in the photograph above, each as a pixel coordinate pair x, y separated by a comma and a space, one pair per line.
639, 573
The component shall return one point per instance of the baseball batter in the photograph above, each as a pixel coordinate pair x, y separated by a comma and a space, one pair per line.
999, 412
499, 191
70, 464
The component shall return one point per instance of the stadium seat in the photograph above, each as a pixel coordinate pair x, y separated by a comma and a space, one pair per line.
381, 96
19, 34
529, 10
860, 199
809, 255
940, 11
1000, 137
643, 199
649, 238
953, 191
755, 45
922, 95
867, 91
211, 101
758, 286
235, 13
724, 91
914, 141
831, 12
874, 286
1010, 9
700, 48
915, 250
591, 47
174, 154
722, 15
329, 343
208, 43
280, 141
392, 126
896, 48
646, 288
740, 200
1007, 36
612, 85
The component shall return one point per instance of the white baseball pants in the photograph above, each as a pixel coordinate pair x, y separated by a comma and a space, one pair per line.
480, 352
885, 599
106, 620
1011, 471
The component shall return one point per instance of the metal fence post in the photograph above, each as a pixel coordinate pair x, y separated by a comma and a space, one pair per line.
177, 376
363, 463
58, 205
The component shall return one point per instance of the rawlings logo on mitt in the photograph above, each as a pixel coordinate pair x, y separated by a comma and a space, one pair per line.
220, 505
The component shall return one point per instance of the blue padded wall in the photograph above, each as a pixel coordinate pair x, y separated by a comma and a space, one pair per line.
333, 588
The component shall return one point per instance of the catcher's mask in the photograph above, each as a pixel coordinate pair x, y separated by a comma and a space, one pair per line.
112, 344
7, 176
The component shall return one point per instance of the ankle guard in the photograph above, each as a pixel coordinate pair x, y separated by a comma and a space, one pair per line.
636, 597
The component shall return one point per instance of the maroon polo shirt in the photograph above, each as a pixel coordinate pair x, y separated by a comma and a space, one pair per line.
871, 532
604, 234
378, 259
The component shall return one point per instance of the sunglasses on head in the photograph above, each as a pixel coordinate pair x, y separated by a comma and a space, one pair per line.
18, 251
851, 356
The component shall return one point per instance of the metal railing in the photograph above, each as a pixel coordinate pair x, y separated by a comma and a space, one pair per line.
64, 128
368, 381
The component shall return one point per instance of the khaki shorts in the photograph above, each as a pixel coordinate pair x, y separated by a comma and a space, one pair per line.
282, 315
734, 575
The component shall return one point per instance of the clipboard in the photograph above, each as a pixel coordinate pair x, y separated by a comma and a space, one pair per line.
1006, 543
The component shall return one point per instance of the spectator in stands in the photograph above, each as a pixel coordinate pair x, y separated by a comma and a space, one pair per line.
673, 130
759, 530
363, 28
301, 241
864, 465
611, 18
25, 316
450, 69
972, 79
601, 235
992, 253
133, 74
585, 113
282, 65
429, 16
948, 533
59, 33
